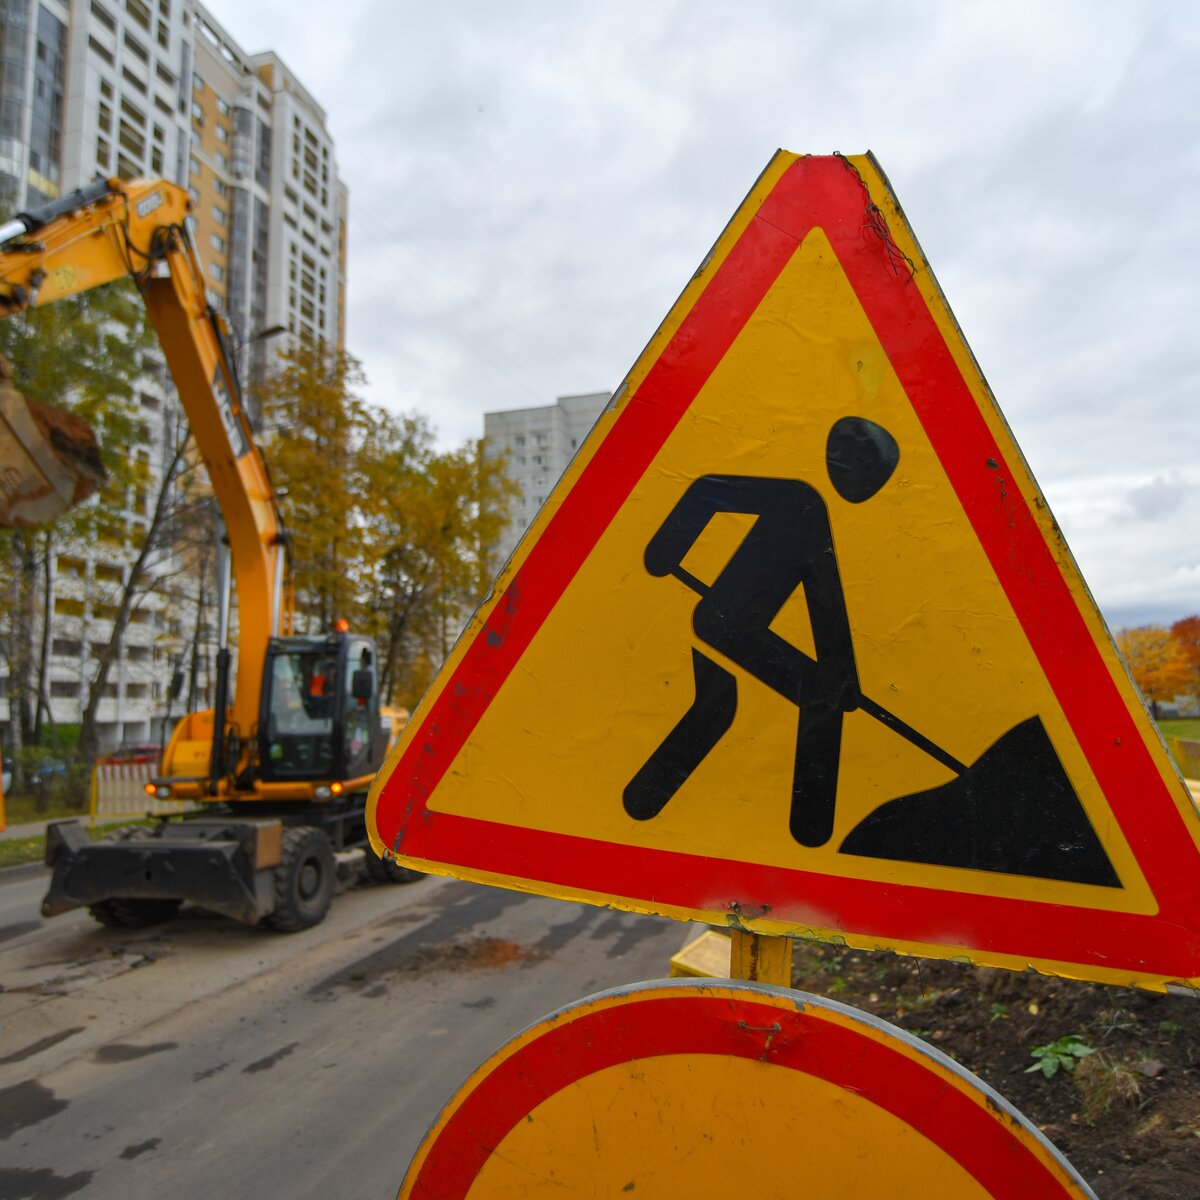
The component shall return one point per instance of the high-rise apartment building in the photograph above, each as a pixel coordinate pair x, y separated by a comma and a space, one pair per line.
157, 88
33, 71
538, 444
270, 209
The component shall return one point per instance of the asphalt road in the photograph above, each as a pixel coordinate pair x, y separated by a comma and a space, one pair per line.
205, 1059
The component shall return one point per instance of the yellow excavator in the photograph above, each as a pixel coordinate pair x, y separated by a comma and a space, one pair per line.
280, 766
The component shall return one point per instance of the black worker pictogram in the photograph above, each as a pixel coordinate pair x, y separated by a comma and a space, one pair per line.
1013, 810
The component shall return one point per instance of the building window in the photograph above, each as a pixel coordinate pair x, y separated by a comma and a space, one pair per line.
197, 112
139, 12
194, 165
218, 243
216, 271
104, 17
222, 133
197, 83
218, 215
222, 107
136, 48
99, 51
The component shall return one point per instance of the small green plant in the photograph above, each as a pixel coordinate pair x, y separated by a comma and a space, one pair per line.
1169, 1027
1063, 1054
999, 1010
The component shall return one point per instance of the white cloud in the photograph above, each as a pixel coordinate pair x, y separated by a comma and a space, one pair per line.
532, 185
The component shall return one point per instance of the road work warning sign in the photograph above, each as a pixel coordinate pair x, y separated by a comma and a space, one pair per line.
796, 643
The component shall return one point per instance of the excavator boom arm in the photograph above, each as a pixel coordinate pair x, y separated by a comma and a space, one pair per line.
115, 228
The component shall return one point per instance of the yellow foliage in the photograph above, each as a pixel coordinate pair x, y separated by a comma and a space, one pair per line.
1156, 661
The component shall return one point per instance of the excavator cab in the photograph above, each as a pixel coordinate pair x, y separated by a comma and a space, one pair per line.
320, 710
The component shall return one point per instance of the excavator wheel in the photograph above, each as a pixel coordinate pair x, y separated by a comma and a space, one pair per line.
134, 912
385, 870
304, 880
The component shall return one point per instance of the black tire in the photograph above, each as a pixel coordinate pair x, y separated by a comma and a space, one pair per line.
304, 880
385, 870
134, 912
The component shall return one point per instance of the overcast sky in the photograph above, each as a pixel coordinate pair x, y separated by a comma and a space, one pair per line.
532, 184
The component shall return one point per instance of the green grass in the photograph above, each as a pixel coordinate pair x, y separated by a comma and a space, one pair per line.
18, 810
15, 851
1188, 728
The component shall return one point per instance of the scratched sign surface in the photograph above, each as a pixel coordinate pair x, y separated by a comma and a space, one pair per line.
796, 643
689, 1089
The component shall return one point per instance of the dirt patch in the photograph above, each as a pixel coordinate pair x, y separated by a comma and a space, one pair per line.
1127, 1114
409, 959
482, 953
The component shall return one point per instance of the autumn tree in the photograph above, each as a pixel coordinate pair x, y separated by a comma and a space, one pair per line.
86, 355
430, 537
385, 530
316, 429
1186, 633
143, 577
1157, 663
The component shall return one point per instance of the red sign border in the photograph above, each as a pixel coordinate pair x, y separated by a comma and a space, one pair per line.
690, 1018
824, 192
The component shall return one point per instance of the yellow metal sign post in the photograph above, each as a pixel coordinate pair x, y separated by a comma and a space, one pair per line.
762, 959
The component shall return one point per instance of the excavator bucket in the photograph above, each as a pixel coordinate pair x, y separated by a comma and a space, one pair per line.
49, 459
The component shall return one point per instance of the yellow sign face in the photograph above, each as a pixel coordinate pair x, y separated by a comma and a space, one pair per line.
667, 1090
797, 645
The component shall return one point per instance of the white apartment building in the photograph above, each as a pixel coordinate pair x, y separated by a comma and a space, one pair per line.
538, 443
157, 88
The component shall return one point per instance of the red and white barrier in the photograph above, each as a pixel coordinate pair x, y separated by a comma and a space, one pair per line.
118, 791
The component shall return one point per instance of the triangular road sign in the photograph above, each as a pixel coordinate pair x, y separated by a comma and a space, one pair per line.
796, 644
